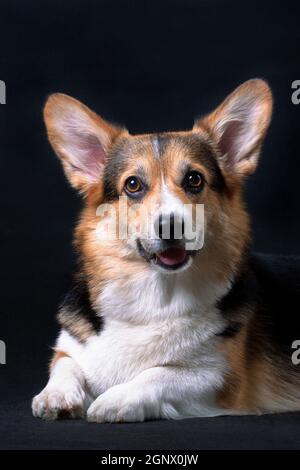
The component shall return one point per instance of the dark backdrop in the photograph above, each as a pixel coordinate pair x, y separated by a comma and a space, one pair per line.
151, 65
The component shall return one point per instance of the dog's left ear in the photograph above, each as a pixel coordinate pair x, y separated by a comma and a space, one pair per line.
238, 126
80, 138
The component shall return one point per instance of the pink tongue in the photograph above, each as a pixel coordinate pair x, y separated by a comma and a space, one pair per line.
172, 256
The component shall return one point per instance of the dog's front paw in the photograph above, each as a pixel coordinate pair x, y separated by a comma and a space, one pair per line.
122, 403
58, 402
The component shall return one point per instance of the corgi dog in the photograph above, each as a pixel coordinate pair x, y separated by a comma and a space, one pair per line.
152, 328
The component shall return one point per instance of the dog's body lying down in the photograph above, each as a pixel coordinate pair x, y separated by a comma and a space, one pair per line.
149, 328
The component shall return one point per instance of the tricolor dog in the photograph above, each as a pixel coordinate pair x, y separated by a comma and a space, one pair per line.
152, 327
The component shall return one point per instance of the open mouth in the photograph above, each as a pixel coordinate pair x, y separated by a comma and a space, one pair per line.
171, 259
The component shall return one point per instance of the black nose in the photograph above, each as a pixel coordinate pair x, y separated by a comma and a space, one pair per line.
170, 227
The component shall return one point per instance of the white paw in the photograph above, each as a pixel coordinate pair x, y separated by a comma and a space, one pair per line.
122, 403
56, 402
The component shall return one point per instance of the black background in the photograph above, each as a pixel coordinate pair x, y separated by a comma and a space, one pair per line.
151, 65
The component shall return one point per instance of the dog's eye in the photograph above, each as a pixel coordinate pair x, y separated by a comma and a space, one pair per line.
133, 185
193, 181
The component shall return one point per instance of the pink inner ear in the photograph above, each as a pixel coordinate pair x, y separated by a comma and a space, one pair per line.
90, 156
229, 141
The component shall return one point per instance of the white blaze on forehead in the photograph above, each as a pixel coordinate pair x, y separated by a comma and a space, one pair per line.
164, 203
155, 146
169, 201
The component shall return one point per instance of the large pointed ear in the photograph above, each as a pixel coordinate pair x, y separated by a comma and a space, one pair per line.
239, 124
79, 137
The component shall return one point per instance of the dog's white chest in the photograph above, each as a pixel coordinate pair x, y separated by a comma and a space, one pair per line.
161, 326
120, 352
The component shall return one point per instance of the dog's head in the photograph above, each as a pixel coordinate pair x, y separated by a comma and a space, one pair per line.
148, 191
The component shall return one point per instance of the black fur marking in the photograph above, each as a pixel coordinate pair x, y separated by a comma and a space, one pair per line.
116, 164
243, 292
122, 150
269, 286
278, 278
76, 307
231, 330
201, 152
206, 156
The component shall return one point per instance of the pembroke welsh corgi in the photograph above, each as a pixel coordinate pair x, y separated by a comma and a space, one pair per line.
157, 325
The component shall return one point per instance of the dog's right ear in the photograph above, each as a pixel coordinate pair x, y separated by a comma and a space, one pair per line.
80, 138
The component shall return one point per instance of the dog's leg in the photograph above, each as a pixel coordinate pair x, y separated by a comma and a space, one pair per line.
159, 392
64, 394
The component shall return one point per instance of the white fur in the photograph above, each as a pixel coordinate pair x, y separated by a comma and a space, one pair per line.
169, 202
156, 356
64, 392
155, 147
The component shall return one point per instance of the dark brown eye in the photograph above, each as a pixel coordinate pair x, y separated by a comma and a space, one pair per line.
193, 181
133, 185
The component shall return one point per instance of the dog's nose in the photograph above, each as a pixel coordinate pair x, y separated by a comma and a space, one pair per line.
169, 227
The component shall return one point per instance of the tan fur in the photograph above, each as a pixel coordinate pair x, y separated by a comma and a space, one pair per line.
56, 357
221, 254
